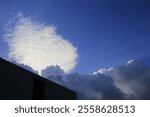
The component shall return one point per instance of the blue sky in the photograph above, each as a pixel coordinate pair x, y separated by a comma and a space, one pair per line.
107, 33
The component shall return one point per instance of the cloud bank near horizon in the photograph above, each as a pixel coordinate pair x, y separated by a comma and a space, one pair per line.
38, 45
133, 79
128, 81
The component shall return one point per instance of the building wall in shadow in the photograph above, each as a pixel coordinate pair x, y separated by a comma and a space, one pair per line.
17, 83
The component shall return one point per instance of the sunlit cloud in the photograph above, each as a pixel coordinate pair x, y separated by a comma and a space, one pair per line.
39, 45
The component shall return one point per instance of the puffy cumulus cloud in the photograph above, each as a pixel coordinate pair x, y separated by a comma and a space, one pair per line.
128, 81
132, 78
38, 45
52, 70
97, 86
25, 67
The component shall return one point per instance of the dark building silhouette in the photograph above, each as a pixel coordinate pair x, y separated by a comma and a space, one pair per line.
17, 83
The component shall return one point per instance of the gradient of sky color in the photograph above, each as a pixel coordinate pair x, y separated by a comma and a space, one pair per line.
106, 32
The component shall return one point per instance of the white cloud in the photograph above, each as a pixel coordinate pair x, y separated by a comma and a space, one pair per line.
25, 67
93, 87
130, 62
52, 70
103, 71
128, 81
38, 45
133, 79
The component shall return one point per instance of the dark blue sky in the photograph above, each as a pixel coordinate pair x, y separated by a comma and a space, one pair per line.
106, 32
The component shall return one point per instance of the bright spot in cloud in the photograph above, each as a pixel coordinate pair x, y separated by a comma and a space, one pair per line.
38, 45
